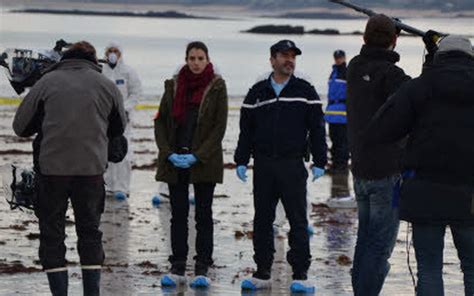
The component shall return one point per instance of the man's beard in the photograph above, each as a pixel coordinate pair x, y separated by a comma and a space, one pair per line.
287, 69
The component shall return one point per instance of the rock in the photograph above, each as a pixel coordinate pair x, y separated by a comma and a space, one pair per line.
324, 32
344, 260
33, 236
147, 264
16, 267
277, 29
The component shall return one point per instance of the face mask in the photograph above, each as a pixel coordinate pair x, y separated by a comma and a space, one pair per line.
112, 59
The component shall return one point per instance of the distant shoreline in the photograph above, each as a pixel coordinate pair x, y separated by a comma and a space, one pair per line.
335, 15
317, 16
300, 30
210, 11
151, 14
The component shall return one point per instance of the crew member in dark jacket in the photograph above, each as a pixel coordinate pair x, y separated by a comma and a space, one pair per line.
436, 111
336, 115
189, 129
74, 110
372, 77
280, 116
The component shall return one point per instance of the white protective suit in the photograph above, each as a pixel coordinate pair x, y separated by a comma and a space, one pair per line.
118, 175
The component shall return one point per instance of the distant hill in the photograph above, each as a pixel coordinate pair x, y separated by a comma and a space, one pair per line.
450, 5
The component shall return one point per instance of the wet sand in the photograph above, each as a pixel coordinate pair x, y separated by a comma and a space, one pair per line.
136, 234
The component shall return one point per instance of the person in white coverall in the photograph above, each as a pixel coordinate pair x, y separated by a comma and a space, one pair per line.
118, 175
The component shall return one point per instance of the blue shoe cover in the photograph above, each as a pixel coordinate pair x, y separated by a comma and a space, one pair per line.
200, 282
310, 230
167, 281
300, 287
156, 201
120, 196
248, 285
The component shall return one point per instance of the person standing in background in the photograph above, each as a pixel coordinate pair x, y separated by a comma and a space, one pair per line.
335, 114
118, 175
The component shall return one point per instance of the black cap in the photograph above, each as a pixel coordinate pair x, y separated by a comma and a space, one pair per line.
339, 53
284, 45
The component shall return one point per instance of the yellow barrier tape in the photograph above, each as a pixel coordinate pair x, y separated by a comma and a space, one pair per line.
10, 101
336, 113
17, 101
146, 107
156, 106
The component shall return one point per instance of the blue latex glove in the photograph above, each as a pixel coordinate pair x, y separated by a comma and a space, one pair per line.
178, 161
317, 173
242, 173
189, 159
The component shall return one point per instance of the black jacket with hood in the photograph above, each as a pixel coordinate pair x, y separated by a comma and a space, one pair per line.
372, 77
436, 111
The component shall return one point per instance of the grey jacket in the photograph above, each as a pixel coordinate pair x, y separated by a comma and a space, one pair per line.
74, 109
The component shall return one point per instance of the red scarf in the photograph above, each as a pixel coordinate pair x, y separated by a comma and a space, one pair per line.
190, 90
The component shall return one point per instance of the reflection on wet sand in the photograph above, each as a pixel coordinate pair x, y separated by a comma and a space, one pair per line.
339, 236
116, 227
137, 240
340, 185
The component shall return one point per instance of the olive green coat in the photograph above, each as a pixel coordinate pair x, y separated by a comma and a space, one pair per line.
207, 141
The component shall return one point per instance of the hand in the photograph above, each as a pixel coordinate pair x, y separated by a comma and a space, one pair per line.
242, 173
189, 159
317, 173
178, 161
399, 30
430, 39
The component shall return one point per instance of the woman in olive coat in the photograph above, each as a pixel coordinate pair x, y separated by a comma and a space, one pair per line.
189, 129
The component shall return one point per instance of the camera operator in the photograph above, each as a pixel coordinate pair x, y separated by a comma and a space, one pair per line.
74, 109
435, 112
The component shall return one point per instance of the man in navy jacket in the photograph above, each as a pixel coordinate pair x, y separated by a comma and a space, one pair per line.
281, 115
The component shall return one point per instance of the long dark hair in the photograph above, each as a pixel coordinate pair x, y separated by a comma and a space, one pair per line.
197, 45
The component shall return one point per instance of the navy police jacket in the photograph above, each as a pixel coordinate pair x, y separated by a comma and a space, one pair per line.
282, 126
336, 109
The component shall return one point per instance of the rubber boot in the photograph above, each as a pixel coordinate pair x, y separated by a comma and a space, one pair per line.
91, 282
58, 282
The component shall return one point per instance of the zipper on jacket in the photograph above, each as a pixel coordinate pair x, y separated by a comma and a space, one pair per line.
275, 125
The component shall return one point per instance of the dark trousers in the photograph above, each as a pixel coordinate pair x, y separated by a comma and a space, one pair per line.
179, 197
285, 179
428, 240
87, 195
340, 145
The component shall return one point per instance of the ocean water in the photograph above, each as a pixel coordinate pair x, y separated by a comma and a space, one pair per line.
155, 47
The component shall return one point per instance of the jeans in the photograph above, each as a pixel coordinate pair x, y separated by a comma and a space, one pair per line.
87, 195
179, 198
285, 179
340, 146
428, 240
376, 235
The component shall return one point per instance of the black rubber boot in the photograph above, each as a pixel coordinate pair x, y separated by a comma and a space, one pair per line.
178, 268
58, 282
91, 282
262, 274
200, 269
